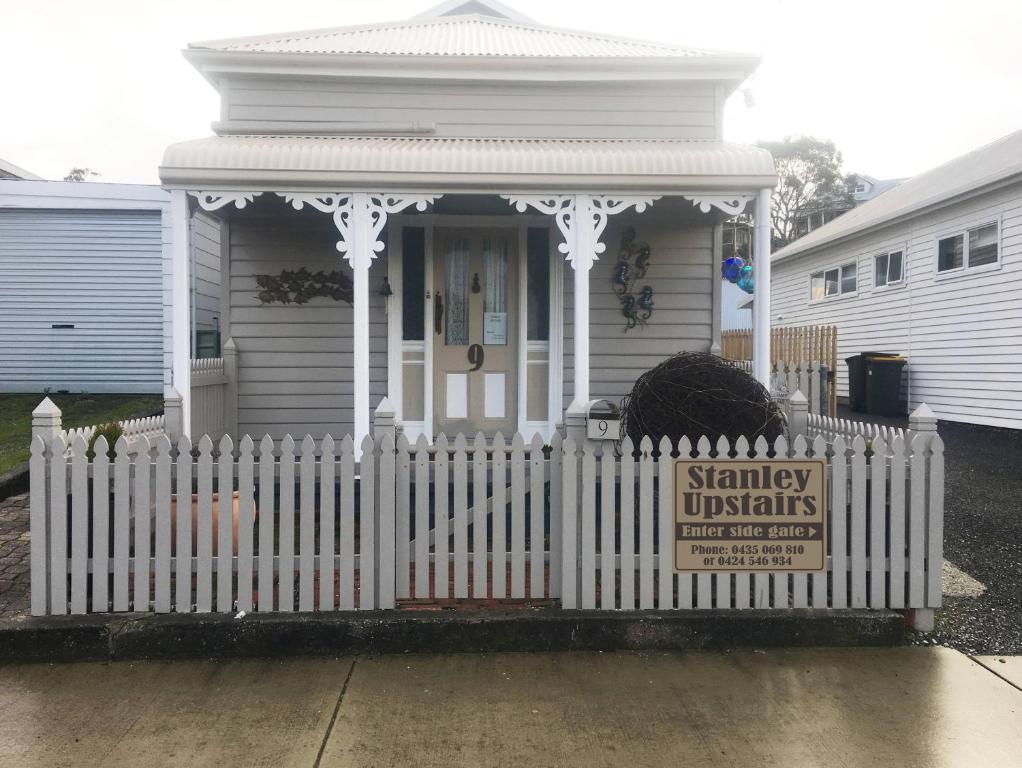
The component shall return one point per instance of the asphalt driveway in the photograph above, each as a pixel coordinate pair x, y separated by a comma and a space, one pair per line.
982, 536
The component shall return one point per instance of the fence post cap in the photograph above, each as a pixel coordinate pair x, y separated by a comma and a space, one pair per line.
47, 409
922, 419
798, 400
171, 395
230, 345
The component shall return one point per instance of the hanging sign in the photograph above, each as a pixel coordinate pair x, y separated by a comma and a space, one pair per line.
495, 328
748, 515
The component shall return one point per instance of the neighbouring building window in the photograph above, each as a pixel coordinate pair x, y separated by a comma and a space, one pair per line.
975, 247
538, 284
413, 284
833, 282
888, 268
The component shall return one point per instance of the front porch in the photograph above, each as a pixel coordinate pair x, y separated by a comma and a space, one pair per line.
465, 312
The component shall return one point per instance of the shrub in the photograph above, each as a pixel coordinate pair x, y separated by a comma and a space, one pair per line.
694, 394
112, 432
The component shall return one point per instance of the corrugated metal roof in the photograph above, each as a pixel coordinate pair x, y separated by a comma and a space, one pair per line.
987, 165
548, 163
468, 35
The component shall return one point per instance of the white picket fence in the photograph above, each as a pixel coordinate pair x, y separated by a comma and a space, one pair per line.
849, 429
209, 385
149, 427
809, 378
312, 529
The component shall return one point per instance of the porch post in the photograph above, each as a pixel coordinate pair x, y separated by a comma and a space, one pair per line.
761, 303
180, 311
581, 219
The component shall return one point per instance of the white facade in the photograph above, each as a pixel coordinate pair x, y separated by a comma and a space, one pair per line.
958, 327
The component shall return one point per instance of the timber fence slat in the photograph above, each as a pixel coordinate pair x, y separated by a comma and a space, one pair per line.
162, 523
479, 532
628, 520
537, 510
608, 513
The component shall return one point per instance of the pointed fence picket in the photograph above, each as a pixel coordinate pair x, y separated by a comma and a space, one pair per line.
240, 526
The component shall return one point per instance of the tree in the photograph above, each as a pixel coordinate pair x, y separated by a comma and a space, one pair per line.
80, 174
809, 180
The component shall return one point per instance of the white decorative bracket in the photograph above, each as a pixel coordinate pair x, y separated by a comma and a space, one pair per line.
732, 204
355, 210
581, 246
214, 201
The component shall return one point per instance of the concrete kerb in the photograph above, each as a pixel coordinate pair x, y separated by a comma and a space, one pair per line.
196, 636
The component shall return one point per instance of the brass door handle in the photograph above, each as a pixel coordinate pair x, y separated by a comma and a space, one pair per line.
438, 313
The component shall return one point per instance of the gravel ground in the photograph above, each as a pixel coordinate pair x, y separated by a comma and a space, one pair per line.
982, 536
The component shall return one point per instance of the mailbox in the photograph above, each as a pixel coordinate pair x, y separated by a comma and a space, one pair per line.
603, 420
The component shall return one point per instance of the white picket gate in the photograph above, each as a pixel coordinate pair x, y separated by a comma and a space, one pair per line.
314, 529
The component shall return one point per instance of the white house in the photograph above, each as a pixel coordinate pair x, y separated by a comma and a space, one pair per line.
82, 273
930, 270
459, 185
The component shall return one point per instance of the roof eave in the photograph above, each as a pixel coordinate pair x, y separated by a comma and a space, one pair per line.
216, 64
897, 218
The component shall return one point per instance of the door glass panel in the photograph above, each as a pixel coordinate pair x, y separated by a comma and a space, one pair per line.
413, 284
495, 257
539, 284
456, 290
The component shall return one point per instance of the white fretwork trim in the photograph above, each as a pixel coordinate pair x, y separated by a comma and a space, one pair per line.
214, 201
370, 208
582, 248
732, 204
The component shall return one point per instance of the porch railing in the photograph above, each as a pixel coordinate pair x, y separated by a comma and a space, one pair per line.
286, 526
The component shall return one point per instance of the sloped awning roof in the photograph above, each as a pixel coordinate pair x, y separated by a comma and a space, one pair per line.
992, 164
471, 165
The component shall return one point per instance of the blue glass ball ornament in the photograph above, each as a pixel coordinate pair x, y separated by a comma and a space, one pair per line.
745, 280
731, 269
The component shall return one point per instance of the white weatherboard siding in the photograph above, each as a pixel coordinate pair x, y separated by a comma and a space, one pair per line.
960, 333
680, 272
205, 245
98, 270
295, 361
563, 110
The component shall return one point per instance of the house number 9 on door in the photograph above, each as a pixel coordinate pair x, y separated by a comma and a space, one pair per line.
475, 356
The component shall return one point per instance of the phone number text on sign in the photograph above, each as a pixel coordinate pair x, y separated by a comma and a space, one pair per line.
747, 515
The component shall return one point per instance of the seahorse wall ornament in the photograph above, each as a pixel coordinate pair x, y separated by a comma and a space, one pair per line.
633, 261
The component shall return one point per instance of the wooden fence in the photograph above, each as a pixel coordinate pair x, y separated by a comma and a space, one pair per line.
812, 379
816, 344
209, 383
581, 523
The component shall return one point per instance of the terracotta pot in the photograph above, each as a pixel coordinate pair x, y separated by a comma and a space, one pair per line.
235, 507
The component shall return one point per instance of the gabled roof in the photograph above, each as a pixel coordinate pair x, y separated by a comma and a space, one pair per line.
992, 164
492, 33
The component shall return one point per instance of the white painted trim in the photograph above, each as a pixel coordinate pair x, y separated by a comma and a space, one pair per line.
395, 318
761, 275
79, 195
556, 353
181, 362
523, 323
427, 332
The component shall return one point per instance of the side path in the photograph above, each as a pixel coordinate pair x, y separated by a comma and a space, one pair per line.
849, 707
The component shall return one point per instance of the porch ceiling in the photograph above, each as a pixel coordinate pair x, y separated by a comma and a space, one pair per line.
459, 164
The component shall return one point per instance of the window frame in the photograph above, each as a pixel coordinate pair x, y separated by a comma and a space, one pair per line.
963, 232
903, 280
854, 263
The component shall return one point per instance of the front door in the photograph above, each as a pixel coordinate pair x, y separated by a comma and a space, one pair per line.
475, 331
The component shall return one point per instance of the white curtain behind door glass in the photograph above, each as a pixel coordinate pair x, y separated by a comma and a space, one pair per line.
495, 266
456, 288
495, 256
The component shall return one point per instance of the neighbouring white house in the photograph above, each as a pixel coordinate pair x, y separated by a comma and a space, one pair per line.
452, 211
82, 273
930, 270
11, 171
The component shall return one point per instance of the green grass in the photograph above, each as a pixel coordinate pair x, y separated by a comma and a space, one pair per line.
78, 411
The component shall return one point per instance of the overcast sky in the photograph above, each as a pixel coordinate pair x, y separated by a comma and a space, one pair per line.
899, 85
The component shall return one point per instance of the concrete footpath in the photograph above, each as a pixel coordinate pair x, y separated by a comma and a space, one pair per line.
794, 708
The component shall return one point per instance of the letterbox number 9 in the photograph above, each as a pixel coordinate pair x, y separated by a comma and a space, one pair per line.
602, 426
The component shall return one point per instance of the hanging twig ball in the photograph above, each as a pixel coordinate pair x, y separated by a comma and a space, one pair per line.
694, 394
